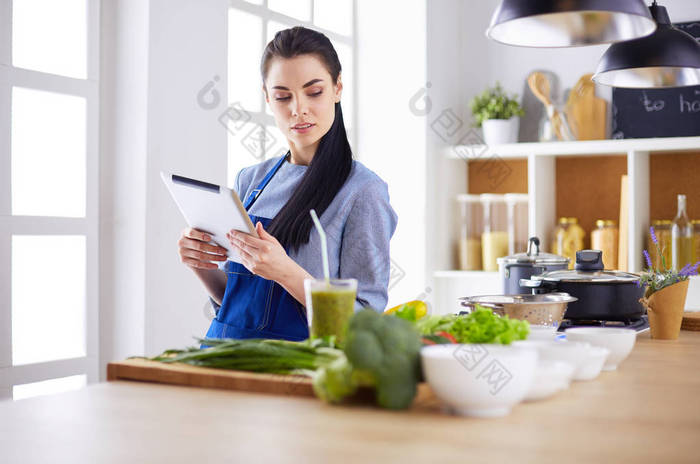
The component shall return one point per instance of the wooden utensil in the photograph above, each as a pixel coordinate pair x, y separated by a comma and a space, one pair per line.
534, 111
539, 84
585, 112
624, 225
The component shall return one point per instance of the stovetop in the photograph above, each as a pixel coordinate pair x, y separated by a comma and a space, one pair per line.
640, 324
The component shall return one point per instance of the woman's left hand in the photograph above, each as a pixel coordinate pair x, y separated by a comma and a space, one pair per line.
263, 256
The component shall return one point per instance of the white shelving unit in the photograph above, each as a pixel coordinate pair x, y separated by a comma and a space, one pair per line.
542, 178
578, 148
541, 159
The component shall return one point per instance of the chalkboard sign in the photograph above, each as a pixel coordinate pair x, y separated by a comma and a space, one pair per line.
642, 113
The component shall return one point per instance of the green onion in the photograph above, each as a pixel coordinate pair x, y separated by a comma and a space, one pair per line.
256, 355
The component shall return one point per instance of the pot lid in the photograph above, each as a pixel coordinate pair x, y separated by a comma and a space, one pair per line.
533, 256
566, 275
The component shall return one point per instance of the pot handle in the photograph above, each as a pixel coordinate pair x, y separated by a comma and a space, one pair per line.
537, 286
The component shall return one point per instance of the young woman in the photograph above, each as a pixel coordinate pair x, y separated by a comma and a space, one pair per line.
264, 296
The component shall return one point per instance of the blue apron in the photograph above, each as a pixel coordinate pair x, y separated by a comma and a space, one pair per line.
254, 307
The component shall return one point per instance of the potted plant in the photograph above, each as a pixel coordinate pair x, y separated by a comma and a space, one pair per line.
498, 114
664, 296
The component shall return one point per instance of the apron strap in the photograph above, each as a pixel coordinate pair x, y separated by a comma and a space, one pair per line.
261, 186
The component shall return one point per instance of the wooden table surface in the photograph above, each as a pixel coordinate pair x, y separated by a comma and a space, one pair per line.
647, 411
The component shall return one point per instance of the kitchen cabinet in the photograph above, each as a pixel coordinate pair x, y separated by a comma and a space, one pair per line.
582, 178
646, 411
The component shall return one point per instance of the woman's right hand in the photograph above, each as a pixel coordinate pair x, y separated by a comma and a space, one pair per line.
196, 253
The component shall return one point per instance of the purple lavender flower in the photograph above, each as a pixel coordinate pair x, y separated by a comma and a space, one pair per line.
684, 272
689, 270
653, 235
647, 257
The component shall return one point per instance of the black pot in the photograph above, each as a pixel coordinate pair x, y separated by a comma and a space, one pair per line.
602, 295
524, 265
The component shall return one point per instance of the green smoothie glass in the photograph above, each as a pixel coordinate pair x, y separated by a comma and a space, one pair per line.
329, 305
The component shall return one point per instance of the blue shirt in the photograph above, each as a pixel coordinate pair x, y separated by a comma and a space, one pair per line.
358, 223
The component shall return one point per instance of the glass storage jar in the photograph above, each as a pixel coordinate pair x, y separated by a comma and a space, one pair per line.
494, 239
605, 238
517, 204
662, 228
568, 239
471, 227
696, 240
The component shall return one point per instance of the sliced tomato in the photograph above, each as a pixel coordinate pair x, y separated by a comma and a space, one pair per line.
448, 336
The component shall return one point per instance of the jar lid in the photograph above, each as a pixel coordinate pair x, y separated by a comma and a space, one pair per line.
695, 221
587, 276
568, 220
533, 256
605, 223
661, 222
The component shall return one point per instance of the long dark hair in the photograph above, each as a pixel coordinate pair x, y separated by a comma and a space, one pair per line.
331, 164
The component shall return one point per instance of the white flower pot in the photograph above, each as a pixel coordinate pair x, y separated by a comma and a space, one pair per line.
499, 131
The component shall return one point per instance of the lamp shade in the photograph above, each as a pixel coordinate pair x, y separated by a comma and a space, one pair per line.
570, 23
667, 58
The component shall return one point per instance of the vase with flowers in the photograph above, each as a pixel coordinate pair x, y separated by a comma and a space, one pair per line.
665, 293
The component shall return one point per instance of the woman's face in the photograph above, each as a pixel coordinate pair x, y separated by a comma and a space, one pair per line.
300, 91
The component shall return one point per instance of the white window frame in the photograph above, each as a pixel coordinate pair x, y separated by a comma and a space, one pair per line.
35, 225
262, 11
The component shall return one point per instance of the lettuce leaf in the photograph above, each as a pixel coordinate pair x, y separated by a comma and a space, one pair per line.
480, 326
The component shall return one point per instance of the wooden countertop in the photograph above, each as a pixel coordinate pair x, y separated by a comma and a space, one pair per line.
647, 411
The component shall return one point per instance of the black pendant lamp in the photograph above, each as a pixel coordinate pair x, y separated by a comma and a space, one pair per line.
569, 23
667, 58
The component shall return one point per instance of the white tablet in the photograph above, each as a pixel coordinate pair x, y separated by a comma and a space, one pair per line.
210, 208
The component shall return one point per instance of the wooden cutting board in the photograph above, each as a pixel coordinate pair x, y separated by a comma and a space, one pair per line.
691, 321
291, 385
585, 112
193, 376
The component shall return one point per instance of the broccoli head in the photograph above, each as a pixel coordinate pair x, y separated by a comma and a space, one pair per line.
383, 353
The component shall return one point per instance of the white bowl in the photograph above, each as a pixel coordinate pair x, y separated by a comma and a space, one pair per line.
595, 360
577, 354
550, 378
619, 341
481, 380
542, 332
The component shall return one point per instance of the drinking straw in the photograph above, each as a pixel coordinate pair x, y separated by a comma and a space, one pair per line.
324, 247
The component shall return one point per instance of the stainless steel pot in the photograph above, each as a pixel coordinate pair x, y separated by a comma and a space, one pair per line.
602, 295
524, 265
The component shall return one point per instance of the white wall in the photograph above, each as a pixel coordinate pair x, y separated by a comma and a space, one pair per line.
123, 96
188, 47
157, 55
391, 69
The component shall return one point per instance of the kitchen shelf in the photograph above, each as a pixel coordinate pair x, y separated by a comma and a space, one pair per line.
575, 148
542, 178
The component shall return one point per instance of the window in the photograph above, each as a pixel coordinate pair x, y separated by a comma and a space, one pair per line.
48, 195
253, 134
